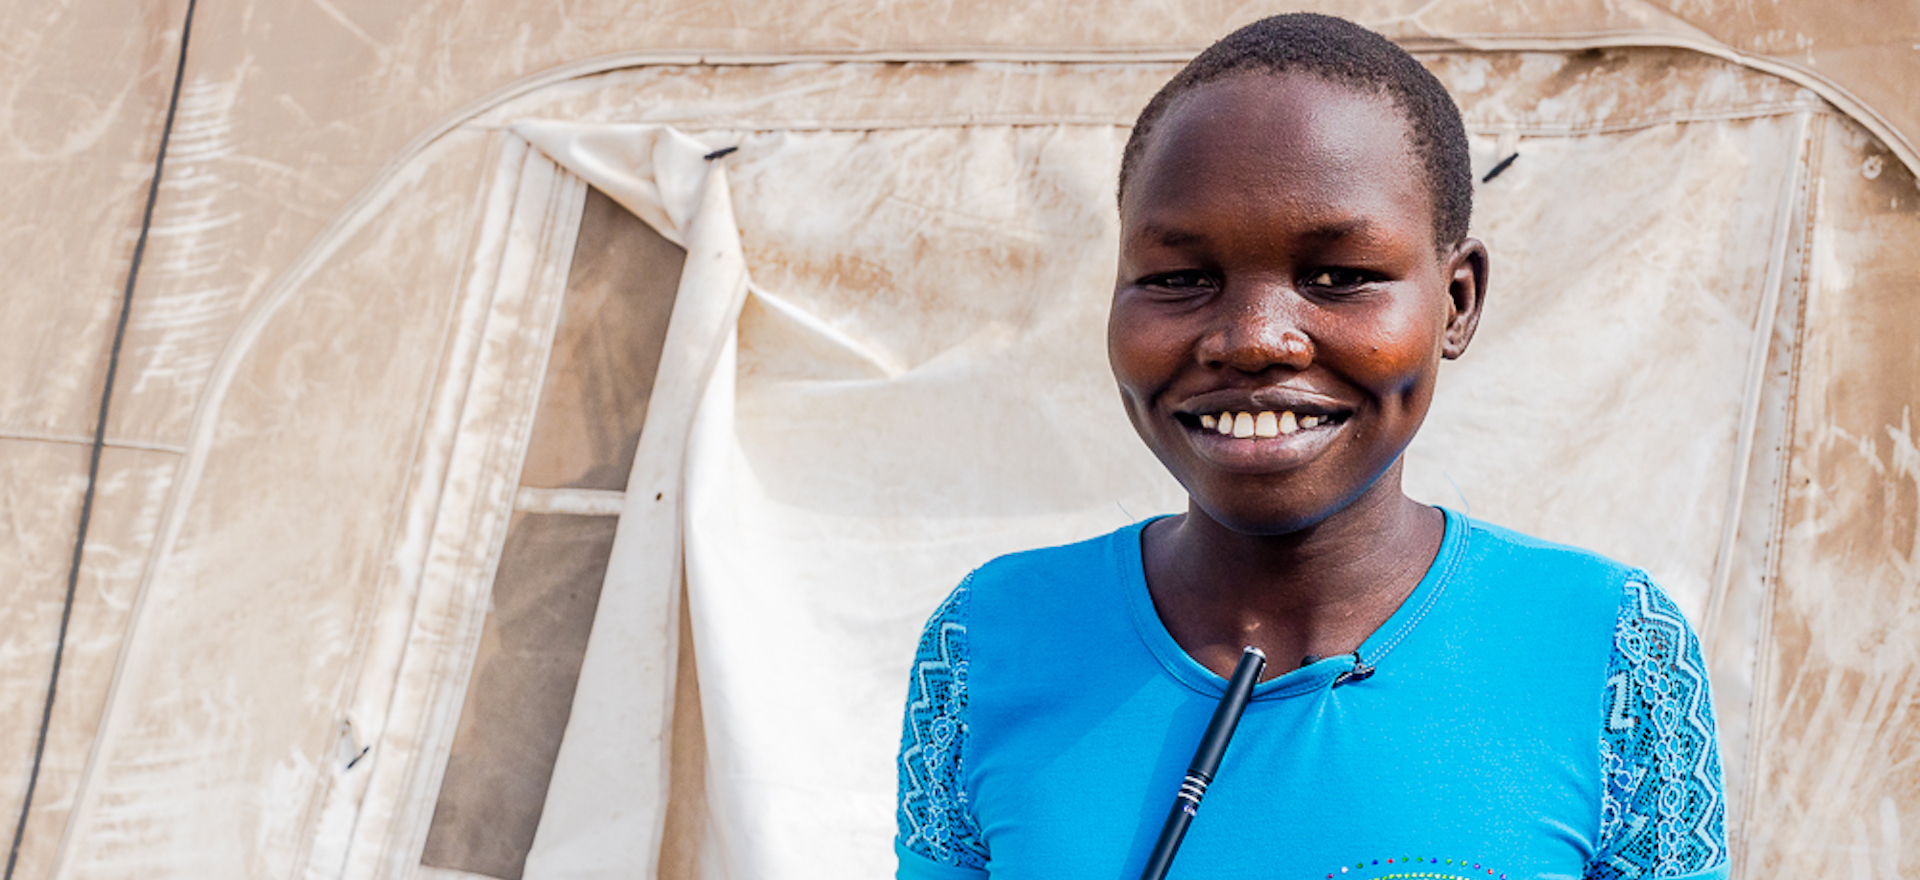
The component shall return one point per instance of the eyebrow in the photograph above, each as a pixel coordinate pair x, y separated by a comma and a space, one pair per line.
1172, 236
1341, 229
1168, 236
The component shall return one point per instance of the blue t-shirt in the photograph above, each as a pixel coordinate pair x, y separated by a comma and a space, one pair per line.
1530, 711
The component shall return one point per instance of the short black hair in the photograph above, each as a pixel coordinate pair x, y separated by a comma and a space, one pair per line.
1346, 54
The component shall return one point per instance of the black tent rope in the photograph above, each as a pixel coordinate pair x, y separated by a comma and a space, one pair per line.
100, 442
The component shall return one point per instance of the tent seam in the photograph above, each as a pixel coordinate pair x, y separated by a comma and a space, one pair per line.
79, 440
1540, 129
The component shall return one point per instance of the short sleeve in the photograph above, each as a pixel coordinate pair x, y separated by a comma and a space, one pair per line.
938, 837
1663, 810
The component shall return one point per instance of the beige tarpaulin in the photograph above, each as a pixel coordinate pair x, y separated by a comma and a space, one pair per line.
1700, 355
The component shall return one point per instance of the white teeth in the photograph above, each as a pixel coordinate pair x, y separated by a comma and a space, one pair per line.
1262, 424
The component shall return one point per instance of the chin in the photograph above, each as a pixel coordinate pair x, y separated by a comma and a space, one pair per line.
1294, 507
1247, 517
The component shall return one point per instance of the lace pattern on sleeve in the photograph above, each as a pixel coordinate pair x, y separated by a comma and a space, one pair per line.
935, 818
1662, 812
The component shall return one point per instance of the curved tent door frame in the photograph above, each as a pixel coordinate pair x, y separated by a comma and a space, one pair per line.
377, 826
435, 594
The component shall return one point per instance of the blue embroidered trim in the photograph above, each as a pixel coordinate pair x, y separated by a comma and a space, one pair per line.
935, 818
1662, 812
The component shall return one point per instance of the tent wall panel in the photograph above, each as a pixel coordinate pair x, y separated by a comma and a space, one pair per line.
86, 99
258, 610
80, 124
44, 484
1858, 46
1836, 783
132, 491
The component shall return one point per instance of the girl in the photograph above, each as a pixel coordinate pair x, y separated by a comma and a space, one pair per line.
1468, 703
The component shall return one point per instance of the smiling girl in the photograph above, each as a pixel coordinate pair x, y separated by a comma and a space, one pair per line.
1467, 702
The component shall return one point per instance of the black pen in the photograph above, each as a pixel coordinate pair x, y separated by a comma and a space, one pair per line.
1206, 762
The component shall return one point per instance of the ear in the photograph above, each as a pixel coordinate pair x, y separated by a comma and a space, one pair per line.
1466, 290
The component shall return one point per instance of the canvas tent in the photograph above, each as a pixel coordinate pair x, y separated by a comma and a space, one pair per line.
451, 362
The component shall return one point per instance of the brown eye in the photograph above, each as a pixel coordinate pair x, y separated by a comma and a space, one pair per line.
1335, 280
1184, 281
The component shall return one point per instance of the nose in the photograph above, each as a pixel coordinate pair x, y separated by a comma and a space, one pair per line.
1257, 332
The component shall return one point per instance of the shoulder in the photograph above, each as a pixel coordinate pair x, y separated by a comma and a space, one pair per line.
1036, 614
1025, 589
1654, 645
1027, 572
1503, 545
1061, 577
1643, 622
1064, 559
1549, 573
1643, 604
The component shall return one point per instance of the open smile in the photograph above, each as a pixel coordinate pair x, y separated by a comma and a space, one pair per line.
1264, 423
1262, 414
1256, 440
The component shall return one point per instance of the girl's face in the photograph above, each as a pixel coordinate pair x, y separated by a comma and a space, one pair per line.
1281, 309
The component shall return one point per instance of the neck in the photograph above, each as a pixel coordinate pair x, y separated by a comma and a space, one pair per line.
1320, 590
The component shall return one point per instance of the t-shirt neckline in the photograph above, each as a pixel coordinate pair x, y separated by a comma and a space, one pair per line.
1315, 676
